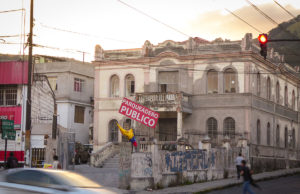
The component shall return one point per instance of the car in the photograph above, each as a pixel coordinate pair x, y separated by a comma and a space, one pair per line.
37, 180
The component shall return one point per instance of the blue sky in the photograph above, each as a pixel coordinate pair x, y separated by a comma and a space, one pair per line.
114, 25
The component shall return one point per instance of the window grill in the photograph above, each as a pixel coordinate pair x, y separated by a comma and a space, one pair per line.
229, 127
8, 96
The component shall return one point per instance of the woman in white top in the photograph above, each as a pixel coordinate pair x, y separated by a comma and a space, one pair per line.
56, 164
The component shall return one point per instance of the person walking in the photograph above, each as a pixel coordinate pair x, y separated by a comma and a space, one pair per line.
12, 161
56, 163
246, 173
238, 163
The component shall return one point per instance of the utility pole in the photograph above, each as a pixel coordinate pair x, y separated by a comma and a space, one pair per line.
28, 102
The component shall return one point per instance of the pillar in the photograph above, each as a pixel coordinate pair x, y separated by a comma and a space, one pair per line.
179, 124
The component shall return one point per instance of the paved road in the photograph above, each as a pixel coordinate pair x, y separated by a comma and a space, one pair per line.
283, 185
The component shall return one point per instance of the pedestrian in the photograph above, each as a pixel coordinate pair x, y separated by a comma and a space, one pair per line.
56, 163
246, 173
12, 161
238, 163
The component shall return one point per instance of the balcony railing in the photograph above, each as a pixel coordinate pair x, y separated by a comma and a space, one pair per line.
157, 99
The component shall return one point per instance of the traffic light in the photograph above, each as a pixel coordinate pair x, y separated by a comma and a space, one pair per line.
263, 40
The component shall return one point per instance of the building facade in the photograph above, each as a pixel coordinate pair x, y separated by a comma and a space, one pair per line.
13, 94
72, 84
217, 91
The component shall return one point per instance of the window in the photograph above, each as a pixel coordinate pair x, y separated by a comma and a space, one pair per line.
79, 114
8, 96
293, 138
113, 131
268, 134
53, 83
277, 136
114, 86
286, 96
229, 127
163, 88
293, 100
32, 177
258, 84
212, 81
78, 85
286, 137
230, 81
258, 132
212, 127
168, 81
269, 89
130, 85
277, 92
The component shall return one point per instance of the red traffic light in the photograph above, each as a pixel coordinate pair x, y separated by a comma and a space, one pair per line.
263, 38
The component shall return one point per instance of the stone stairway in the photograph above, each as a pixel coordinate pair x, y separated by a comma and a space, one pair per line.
107, 175
112, 162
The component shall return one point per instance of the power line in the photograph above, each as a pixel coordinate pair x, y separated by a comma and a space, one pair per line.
11, 36
56, 48
262, 13
244, 21
285, 10
12, 10
145, 14
83, 34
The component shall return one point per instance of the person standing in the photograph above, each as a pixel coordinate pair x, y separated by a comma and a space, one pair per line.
238, 163
56, 164
12, 161
246, 173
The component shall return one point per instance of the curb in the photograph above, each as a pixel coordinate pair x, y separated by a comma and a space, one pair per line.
205, 187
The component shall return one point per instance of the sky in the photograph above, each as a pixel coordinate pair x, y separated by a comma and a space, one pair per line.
69, 28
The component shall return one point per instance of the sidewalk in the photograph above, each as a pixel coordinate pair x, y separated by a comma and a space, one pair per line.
218, 184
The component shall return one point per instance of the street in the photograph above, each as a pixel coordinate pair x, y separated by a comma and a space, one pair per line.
281, 185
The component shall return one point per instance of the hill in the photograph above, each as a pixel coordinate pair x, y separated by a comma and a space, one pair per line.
291, 49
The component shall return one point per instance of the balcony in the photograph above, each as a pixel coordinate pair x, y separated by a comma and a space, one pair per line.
165, 102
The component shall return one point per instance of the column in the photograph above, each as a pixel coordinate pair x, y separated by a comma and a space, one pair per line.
179, 124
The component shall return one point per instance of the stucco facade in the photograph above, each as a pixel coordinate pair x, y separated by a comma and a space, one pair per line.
72, 83
201, 89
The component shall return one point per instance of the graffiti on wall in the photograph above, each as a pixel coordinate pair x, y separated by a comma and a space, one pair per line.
141, 165
190, 160
125, 164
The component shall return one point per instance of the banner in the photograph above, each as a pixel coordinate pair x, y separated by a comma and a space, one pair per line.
139, 113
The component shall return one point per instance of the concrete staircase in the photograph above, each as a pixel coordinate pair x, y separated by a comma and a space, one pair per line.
112, 162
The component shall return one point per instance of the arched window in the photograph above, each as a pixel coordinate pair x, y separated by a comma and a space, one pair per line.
293, 100
230, 81
113, 131
212, 127
229, 127
286, 137
258, 132
294, 138
212, 81
129, 85
277, 136
269, 88
258, 83
114, 86
285, 96
268, 134
277, 92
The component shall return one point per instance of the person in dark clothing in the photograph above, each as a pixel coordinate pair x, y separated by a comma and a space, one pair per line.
246, 173
12, 161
